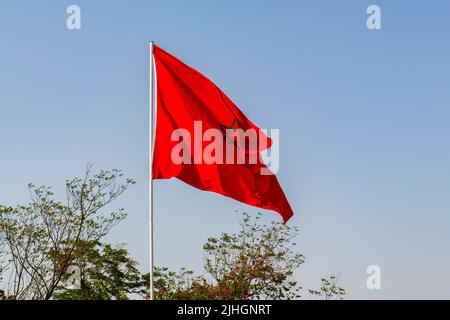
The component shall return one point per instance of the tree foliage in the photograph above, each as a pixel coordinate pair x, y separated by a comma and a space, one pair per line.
52, 249
329, 290
42, 238
258, 262
100, 272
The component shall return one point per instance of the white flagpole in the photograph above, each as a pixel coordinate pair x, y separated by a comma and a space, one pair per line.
150, 172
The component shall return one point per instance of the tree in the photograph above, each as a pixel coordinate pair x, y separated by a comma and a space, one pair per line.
257, 262
56, 250
43, 238
102, 272
329, 289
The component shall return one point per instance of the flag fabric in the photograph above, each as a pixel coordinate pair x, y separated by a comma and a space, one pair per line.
186, 98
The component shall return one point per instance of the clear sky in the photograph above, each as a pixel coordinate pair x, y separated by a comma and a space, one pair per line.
363, 117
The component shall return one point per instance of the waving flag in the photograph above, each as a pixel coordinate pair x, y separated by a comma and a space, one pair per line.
189, 108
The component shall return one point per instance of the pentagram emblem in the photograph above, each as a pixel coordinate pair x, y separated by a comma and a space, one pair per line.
228, 136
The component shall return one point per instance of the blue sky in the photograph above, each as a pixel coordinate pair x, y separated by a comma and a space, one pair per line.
363, 118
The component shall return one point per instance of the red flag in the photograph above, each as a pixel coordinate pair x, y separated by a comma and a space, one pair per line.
189, 101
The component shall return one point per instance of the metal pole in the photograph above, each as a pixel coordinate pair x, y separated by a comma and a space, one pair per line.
150, 166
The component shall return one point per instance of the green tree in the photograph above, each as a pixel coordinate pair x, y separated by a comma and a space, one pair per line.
329, 290
55, 250
101, 272
41, 239
258, 262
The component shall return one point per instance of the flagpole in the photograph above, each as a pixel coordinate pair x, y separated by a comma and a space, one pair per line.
150, 171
